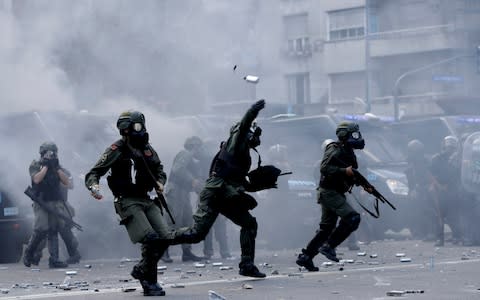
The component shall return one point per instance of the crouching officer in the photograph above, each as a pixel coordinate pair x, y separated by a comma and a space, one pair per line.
336, 178
132, 154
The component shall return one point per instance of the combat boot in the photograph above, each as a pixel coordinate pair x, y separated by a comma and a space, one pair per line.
329, 252
56, 264
189, 256
30, 250
304, 260
250, 270
152, 289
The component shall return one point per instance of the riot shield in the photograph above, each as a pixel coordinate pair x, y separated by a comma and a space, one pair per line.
471, 163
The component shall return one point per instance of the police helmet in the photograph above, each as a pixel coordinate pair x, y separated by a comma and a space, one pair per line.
415, 147
450, 142
48, 146
133, 120
345, 128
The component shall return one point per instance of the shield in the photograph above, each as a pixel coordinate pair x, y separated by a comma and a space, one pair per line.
471, 163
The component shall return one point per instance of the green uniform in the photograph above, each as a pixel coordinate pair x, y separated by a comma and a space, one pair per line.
224, 192
46, 225
138, 213
333, 185
65, 230
177, 191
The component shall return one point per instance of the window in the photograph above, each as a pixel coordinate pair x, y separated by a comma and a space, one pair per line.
298, 88
346, 24
296, 32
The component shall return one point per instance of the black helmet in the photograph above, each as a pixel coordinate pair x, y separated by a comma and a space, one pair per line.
132, 120
450, 143
349, 132
48, 146
193, 142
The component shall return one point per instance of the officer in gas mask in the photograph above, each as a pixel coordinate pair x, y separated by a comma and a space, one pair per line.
136, 170
224, 191
336, 178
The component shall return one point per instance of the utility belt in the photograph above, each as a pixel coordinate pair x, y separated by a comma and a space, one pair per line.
122, 189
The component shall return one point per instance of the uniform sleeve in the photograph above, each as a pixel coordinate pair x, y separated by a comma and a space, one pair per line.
328, 167
247, 120
102, 166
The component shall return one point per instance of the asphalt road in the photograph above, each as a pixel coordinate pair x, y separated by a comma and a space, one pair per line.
450, 272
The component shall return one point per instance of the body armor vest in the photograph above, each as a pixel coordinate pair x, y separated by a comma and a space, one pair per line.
230, 166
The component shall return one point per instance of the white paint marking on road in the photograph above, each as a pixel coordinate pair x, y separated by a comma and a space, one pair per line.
195, 283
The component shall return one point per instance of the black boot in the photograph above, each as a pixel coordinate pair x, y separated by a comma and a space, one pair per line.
249, 269
149, 283
329, 252
305, 260
189, 256
74, 259
33, 245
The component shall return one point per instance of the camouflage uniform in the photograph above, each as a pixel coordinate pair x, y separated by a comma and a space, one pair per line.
224, 193
141, 217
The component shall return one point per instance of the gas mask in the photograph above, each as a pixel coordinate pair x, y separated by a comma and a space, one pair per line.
253, 136
355, 140
138, 135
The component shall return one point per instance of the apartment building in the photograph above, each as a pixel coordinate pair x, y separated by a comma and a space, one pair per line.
358, 55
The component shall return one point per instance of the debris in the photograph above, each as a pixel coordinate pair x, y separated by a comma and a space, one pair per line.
340, 269
327, 264
191, 272
4, 291
251, 78
234, 67
177, 285
350, 261
247, 286
373, 255
88, 266
414, 291
64, 287
295, 275
361, 253
124, 260
67, 280
124, 280
275, 255
70, 273
373, 263
47, 283
226, 268
212, 295
464, 257
266, 265
177, 270
395, 293
96, 290
35, 270
96, 281
275, 272
217, 264
400, 255
405, 259
199, 265
161, 268
128, 289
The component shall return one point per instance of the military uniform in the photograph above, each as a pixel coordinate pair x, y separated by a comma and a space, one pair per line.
135, 170
48, 190
334, 183
65, 231
224, 193
183, 179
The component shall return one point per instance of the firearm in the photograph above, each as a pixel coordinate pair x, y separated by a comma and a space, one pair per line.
162, 203
30, 192
362, 181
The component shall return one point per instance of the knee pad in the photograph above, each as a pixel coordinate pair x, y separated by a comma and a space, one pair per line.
351, 221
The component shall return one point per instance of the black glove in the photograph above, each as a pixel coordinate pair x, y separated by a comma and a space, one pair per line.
44, 162
53, 164
259, 105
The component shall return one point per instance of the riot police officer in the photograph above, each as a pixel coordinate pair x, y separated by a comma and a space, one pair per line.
336, 178
135, 171
47, 176
224, 191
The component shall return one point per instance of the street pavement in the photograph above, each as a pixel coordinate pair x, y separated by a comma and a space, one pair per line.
415, 269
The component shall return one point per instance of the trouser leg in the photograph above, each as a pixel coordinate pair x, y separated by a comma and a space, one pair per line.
220, 228
32, 246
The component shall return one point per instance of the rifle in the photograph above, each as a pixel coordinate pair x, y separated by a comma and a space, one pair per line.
162, 203
30, 192
362, 181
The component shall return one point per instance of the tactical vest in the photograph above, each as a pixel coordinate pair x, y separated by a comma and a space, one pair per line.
121, 181
49, 187
341, 158
230, 166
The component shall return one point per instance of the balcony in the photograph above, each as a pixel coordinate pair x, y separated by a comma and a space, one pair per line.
413, 40
343, 56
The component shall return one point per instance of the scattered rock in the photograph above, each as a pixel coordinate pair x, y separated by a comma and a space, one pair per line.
177, 285
373, 255
405, 259
247, 286
161, 268
361, 253
70, 273
212, 295
217, 264
275, 272
395, 293
400, 255
226, 268
88, 266
128, 289
4, 291
199, 265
